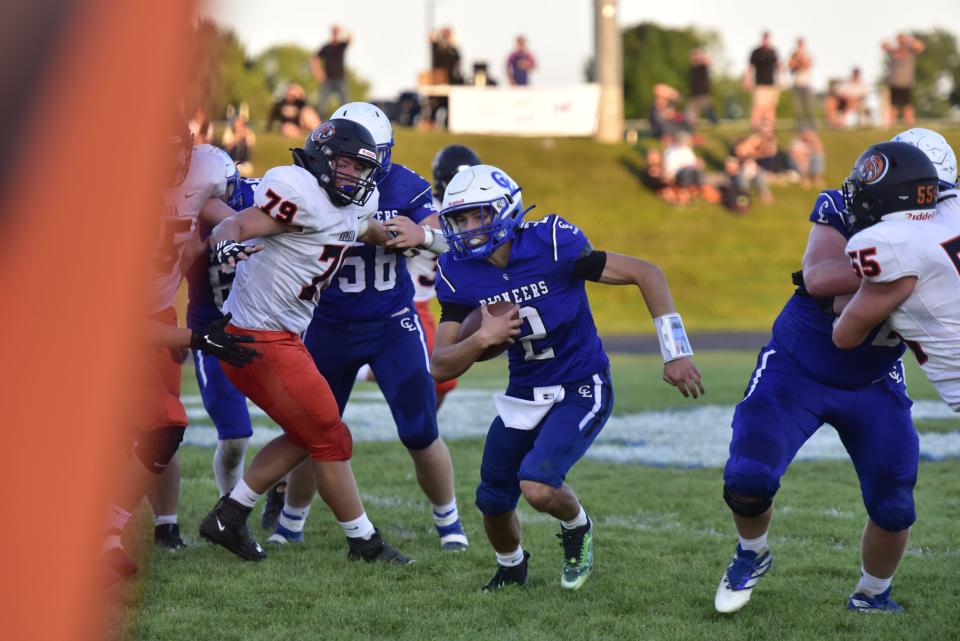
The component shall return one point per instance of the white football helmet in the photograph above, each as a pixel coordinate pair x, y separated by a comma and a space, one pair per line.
938, 150
231, 194
377, 123
498, 198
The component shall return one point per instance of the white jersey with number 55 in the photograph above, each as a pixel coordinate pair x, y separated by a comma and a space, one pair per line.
278, 288
206, 179
929, 319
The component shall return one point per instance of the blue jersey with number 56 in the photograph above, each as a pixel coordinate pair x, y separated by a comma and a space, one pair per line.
804, 328
373, 281
207, 285
558, 340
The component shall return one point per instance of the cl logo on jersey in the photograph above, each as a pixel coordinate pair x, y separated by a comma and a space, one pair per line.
585, 391
896, 375
563, 225
408, 325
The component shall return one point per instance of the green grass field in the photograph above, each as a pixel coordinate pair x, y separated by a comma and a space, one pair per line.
663, 538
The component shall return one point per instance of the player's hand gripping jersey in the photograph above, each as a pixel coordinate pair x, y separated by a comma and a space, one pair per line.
278, 288
558, 342
903, 245
804, 327
206, 179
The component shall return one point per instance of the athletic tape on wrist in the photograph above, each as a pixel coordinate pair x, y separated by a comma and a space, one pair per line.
433, 241
673, 339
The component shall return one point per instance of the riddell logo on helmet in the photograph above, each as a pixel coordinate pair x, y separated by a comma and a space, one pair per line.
920, 215
873, 168
366, 153
458, 201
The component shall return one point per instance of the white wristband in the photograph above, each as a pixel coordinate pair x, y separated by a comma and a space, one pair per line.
673, 339
432, 241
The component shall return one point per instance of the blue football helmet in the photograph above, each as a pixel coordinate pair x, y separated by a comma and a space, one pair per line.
491, 191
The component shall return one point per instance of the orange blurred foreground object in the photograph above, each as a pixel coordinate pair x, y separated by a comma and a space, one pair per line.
81, 202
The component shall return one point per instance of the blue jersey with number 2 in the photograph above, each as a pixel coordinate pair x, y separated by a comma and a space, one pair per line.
558, 342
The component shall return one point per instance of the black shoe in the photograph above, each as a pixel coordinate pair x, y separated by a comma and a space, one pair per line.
120, 562
273, 505
375, 550
226, 525
168, 536
516, 575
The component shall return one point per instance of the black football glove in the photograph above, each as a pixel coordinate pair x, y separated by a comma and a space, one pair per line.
216, 341
226, 252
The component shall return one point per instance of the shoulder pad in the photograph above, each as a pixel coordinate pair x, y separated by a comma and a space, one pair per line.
883, 252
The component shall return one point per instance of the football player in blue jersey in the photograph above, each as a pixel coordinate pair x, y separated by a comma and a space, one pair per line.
559, 394
225, 404
802, 381
367, 316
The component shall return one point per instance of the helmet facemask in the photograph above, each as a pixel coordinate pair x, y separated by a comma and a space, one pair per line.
498, 221
344, 186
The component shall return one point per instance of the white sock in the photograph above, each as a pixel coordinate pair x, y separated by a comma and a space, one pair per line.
293, 518
228, 476
112, 541
578, 521
358, 528
511, 559
446, 514
117, 518
165, 519
363, 374
870, 584
242, 494
757, 545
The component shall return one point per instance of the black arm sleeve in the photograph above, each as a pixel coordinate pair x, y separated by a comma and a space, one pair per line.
590, 267
454, 313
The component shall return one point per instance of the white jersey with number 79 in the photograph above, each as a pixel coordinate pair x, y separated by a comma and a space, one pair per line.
278, 288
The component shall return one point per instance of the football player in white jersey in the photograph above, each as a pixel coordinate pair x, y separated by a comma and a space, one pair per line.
306, 216
198, 180
907, 250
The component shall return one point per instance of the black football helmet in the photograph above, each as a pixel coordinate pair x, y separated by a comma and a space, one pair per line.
889, 177
179, 151
326, 146
448, 162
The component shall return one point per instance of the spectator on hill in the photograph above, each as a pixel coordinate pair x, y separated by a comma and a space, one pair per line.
800, 66
734, 188
329, 68
445, 70
762, 147
652, 177
807, 158
902, 67
699, 104
844, 105
761, 79
665, 118
238, 141
295, 116
201, 127
520, 63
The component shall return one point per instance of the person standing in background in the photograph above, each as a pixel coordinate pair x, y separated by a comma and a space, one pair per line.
761, 78
699, 104
903, 69
329, 69
800, 64
520, 63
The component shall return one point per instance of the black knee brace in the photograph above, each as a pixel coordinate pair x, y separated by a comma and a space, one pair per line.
745, 507
157, 447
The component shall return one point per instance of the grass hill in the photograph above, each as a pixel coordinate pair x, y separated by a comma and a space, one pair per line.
726, 272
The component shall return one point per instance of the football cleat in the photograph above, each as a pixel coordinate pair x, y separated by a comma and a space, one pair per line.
577, 555
862, 602
741, 576
506, 576
282, 536
226, 525
375, 550
452, 537
168, 536
273, 505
